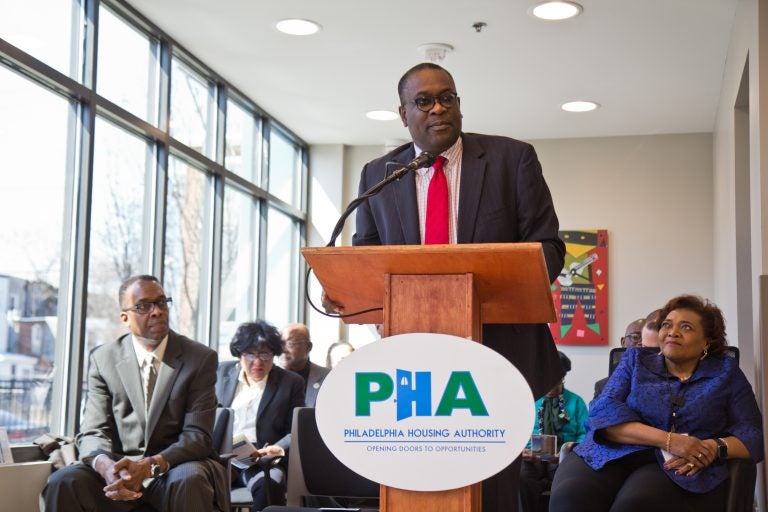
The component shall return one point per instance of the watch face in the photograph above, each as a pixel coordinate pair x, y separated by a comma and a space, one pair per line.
722, 449
154, 470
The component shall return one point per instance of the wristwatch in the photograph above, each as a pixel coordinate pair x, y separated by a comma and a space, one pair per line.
154, 469
722, 448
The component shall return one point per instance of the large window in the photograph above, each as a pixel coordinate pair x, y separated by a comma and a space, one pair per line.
282, 268
187, 243
121, 177
98, 185
46, 29
191, 108
33, 212
239, 264
284, 169
242, 151
128, 68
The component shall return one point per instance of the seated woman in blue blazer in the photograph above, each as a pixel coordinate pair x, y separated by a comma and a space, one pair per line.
665, 423
263, 397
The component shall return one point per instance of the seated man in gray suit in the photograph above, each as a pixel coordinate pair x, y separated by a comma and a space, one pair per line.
295, 357
145, 437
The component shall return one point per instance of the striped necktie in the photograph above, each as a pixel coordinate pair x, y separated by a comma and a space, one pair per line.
151, 378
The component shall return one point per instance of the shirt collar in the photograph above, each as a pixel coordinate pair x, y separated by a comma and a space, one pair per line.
450, 154
711, 366
141, 352
262, 384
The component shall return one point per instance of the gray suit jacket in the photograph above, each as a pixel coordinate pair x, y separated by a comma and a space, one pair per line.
502, 198
180, 421
317, 374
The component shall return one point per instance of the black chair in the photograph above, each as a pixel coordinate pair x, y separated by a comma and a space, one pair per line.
313, 471
239, 497
742, 475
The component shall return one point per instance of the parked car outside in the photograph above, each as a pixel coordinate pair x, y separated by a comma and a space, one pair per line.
20, 429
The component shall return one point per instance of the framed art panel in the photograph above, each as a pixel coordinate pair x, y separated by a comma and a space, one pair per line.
580, 292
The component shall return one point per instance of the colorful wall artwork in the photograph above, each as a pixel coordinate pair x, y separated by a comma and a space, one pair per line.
581, 291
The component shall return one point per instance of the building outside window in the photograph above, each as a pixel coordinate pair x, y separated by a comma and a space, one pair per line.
99, 187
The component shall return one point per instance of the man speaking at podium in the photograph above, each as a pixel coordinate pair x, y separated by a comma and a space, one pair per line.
481, 189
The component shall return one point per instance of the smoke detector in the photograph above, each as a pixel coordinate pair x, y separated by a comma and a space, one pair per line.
435, 52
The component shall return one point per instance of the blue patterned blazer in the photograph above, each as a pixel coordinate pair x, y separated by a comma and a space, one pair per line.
717, 401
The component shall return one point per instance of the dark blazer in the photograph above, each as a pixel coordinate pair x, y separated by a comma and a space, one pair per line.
315, 379
502, 198
180, 421
284, 392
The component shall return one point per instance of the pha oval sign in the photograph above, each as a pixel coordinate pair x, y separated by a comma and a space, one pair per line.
425, 412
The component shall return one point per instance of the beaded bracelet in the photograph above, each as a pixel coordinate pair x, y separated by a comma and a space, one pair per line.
669, 439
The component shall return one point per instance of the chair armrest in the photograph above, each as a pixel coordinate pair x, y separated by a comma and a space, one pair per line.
566, 448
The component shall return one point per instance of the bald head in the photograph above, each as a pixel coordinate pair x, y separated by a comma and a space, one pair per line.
296, 347
633, 334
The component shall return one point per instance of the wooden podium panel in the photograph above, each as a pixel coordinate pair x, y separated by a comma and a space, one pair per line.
443, 304
511, 280
444, 289
438, 304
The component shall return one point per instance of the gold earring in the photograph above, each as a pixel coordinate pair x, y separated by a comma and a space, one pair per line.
704, 354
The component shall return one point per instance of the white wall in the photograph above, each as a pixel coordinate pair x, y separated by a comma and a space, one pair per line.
654, 196
326, 198
741, 230
335, 169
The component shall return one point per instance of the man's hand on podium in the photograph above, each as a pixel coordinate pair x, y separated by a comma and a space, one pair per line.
329, 306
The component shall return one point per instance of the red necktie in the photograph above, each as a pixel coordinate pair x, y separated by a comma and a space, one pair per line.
436, 230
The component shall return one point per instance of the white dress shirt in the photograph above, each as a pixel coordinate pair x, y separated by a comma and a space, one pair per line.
452, 170
141, 357
246, 405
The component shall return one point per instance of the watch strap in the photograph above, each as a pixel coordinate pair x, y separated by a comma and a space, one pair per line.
155, 469
722, 448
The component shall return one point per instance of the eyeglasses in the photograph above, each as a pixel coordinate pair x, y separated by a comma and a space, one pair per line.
426, 103
264, 356
144, 308
636, 337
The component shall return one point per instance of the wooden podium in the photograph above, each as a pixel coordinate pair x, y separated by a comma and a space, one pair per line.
446, 289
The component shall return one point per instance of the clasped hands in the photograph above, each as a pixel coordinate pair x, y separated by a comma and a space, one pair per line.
124, 477
268, 450
690, 454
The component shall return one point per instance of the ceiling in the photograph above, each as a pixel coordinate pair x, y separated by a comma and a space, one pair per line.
654, 66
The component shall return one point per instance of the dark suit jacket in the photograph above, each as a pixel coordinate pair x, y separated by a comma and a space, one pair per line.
502, 198
284, 391
315, 379
180, 420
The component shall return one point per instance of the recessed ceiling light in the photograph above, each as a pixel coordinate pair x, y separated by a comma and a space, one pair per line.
556, 10
579, 106
382, 115
297, 27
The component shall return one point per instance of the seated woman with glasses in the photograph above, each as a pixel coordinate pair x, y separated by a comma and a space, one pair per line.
661, 430
263, 397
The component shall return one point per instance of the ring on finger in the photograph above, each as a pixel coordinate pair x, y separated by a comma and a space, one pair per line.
699, 455
690, 464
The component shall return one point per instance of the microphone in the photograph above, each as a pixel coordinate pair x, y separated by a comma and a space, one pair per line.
425, 159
